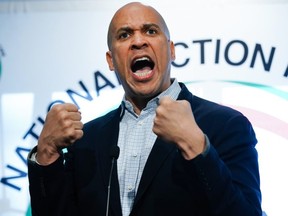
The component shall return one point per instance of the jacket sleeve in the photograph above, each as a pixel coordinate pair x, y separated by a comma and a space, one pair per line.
229, 170
50, 193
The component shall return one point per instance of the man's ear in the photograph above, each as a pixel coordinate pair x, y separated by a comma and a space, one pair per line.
109, 60
172, 50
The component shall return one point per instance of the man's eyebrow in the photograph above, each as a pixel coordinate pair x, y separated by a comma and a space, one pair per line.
124, 29
149, 25
144, 26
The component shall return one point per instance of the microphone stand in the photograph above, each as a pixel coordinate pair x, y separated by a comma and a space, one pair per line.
114, 153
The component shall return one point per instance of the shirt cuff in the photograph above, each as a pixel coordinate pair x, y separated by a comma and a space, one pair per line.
33, 158
207, 146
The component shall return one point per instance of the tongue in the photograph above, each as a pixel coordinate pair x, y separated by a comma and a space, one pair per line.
143, 70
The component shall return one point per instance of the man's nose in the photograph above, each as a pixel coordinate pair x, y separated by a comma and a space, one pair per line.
139, 41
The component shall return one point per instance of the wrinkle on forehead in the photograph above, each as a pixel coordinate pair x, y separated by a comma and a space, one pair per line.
126, 9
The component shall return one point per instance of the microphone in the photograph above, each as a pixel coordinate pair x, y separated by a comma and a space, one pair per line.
114, 154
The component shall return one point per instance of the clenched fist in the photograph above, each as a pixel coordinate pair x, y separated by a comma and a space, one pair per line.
62, 127
174, 122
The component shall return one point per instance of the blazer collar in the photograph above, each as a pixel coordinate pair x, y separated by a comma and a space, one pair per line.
157, 157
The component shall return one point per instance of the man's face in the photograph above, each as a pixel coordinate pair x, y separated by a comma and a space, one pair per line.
140, 51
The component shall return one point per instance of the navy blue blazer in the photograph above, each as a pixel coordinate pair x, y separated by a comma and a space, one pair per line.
224, 182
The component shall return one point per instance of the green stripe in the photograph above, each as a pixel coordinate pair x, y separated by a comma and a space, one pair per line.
28, 212
272, 90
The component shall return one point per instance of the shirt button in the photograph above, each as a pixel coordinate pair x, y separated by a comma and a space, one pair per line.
135, 155
130, 187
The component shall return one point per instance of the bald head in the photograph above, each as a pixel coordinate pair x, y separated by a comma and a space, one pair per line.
127, 12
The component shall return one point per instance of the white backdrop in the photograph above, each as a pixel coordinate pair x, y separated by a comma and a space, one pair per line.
232, 52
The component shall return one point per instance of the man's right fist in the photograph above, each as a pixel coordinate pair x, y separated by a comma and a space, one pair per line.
62, 127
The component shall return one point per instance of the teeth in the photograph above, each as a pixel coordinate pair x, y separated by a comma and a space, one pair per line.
142, 59
143, 74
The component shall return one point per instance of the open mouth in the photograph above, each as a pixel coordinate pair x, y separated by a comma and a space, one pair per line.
142, 66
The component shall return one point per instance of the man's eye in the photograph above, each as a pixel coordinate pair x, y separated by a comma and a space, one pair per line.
151, 31
123, 35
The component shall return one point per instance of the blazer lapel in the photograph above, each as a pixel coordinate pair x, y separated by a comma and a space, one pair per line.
157, 157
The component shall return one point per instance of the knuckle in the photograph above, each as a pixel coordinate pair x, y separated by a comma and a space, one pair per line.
72, 106
185, 103
66, 124
57, 107
70, 134
166, 100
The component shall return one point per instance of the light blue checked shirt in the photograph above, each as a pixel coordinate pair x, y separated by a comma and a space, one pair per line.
136, 140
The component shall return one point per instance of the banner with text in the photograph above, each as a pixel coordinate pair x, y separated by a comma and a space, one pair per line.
233, 54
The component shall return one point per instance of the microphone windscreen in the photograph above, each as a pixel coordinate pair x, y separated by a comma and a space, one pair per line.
114, 151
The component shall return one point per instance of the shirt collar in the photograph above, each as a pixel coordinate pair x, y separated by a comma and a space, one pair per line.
173, 92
